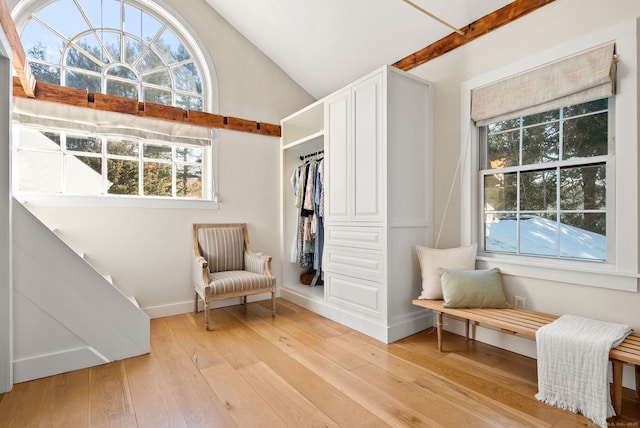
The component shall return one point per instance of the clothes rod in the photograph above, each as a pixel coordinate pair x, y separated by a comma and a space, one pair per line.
311, 155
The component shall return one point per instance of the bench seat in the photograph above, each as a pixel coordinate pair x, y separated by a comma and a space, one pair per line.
527, 323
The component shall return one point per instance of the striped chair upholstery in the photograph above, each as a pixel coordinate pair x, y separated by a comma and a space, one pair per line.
223, 247
224, 266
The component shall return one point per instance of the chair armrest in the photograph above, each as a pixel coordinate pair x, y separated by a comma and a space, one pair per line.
257, 263
199, 270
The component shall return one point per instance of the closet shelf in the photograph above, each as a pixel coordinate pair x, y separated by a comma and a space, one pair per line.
317, 137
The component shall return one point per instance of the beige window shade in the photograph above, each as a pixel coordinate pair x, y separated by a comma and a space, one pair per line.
582, 77
62, 117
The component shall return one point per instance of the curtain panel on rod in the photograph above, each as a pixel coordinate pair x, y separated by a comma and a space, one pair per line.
61, 117
579, 78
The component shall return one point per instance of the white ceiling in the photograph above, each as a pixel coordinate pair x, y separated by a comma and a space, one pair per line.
325, 44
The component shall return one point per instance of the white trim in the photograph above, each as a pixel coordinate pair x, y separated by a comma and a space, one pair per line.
187, 307
6, 262
622, 271
57, 362
115, 201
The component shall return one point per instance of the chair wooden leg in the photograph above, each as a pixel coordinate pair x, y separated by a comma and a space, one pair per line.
206, 314
273, 303
195, 302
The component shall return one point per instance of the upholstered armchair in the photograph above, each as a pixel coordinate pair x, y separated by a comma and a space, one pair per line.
224, 266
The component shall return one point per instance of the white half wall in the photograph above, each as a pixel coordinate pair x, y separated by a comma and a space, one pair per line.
67, 315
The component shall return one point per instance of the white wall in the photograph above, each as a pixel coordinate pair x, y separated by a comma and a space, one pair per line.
540, 31
6, 293
147, 250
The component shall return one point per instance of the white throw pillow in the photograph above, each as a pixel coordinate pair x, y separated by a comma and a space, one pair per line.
449, 258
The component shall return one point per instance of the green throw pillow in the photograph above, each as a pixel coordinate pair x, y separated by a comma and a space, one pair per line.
472, 288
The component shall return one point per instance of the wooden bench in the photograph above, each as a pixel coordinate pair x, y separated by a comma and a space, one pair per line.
527, 323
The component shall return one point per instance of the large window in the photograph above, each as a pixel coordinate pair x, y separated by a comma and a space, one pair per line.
115, 47
544, 183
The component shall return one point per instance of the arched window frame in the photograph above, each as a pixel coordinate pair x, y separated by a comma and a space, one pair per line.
26, 9
23, 12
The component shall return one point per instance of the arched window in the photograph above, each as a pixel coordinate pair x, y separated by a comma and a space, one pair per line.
116, 47
127, 48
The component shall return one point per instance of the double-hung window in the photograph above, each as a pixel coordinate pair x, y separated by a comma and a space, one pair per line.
544, 182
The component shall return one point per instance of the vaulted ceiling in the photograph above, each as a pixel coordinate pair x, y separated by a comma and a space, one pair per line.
325, 44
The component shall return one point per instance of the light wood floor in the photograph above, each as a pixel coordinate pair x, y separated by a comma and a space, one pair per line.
297, 369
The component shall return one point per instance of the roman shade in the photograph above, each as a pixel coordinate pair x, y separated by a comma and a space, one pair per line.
61, 117
579, 78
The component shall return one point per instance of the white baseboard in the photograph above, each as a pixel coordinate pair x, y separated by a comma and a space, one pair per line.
186, 307
56, 363
401, 327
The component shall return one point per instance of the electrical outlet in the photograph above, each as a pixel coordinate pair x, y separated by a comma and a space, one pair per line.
520, 302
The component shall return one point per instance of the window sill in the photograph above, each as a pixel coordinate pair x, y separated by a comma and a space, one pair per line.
593, 274
115, 201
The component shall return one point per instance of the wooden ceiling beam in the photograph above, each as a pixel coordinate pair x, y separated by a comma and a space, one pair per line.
482, 26
80, 98
20, 63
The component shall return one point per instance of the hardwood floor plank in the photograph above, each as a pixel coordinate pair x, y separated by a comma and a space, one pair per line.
66, 401
507, 379
18, 407
378, 402
199, 405
450, 404
154, 403
289, 404
338, 406
109, 396
242, 402
126, 421
267, 329
198, 343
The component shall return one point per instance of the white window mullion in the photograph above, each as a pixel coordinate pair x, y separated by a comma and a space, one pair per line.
558, 211
140, 169
174, 171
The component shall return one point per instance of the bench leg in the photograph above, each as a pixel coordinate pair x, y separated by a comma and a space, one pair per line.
439, 330
466, 330
618, 367
637, 381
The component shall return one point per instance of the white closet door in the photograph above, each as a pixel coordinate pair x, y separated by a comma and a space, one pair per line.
338, 154
367, 149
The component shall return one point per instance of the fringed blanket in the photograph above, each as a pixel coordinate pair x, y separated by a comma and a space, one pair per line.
573, 362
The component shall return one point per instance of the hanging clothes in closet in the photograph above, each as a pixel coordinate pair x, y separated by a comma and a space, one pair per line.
307, 182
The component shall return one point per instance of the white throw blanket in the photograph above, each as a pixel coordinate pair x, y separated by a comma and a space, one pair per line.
573, 362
